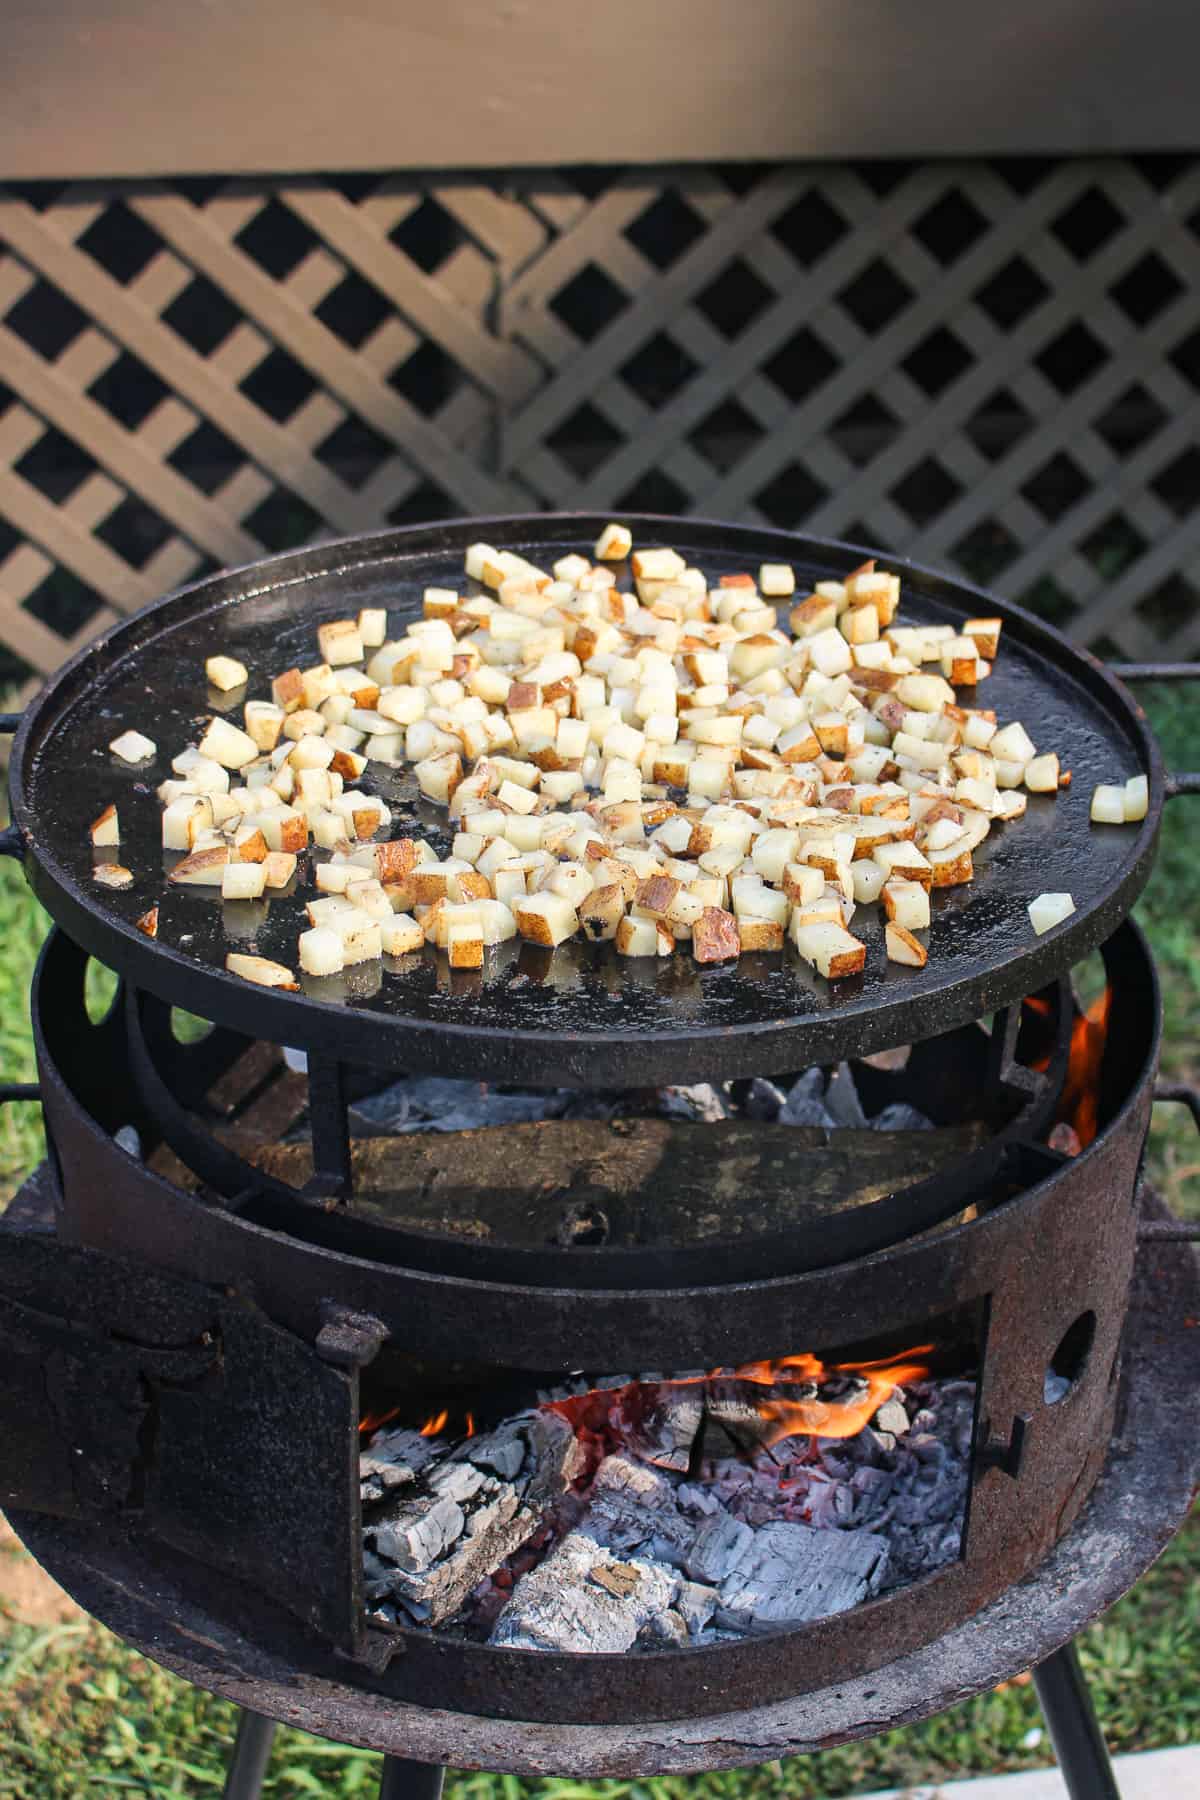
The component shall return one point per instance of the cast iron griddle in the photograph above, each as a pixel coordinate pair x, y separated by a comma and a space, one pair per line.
579, 1015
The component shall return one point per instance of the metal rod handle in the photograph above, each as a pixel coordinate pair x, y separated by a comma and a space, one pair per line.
12, 843
1067, 1709
19, 1090
403, 1780
1185, 1092
1185, 782
9, 723
251, 1754
1171, 671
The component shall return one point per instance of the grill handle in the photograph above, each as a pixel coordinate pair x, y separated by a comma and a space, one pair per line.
1183, 783
1187, 1094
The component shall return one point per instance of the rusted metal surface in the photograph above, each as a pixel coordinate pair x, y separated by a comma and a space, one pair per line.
168, 1608
114, 1204
674, 1204
1053, 1257
579, 1016
129, 1394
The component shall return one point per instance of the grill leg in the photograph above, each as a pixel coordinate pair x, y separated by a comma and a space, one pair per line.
1068, 1711
251, 1754
403, 1780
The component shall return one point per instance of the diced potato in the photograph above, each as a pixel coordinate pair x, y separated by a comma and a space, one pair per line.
952, 867
776, 580
133, 747
321, 951
986, 636
261, 970
1049, 910
1108, 806
148, 923
264, 723
1137, 798
112, 875
228, 745
400, 935
903, 947
830, 948
361, 938
278, 868
226, 673
372, 627
759, 934
340, 642
804, 882
545, 918
715, 936
464, 946
1041, 774
636, 936
1013, 744
106, 830
203, 868
614, 544
867, 879
438, 776
242, 880
906, 903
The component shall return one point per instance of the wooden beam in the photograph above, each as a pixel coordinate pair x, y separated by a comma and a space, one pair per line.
136, 88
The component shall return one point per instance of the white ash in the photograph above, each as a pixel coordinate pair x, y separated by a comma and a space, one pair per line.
422, 1103
435, 1538
503, 1537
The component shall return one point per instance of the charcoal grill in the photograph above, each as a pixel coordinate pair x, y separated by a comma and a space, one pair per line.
211, 1318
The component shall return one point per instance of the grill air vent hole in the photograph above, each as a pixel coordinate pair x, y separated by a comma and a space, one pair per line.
186, 1028
99, 991
1067, 1363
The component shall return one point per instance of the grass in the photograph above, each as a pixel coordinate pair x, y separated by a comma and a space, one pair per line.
80, 1714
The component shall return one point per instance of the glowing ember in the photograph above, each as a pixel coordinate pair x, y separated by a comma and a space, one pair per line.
435, 1423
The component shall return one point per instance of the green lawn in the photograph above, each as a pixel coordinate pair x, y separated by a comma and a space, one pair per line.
80, 1714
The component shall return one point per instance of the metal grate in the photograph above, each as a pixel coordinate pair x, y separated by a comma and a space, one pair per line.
994, 367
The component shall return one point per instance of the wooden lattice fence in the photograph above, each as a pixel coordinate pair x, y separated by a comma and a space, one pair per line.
989, 366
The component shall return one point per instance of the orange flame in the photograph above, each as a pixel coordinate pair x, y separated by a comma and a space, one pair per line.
843, 1418
372, 1421
784, 1416
1080, 1105
434, 1423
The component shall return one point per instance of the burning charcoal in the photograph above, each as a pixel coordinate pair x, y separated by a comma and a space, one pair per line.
717, 1548
789, 1573
762, 1100
561, 1605
392, 1460
694, 1498
630, 1507
459, 1521
805, 1104
701, 1102
695, 1605
667, 1429
899, 1116
841, 1098
892, 1417
129, 1140
664, 1630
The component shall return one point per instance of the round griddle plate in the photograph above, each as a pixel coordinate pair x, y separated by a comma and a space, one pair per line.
579, 1015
